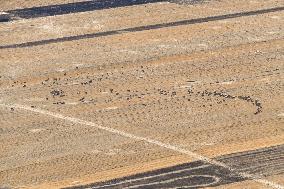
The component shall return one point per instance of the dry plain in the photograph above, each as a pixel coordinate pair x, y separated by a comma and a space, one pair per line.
103, 97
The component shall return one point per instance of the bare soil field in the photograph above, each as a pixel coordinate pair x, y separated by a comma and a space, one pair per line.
142, 94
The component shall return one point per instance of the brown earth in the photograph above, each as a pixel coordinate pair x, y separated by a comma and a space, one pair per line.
211, 88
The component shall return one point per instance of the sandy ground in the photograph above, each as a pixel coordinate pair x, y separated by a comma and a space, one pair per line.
210, 88
18, 4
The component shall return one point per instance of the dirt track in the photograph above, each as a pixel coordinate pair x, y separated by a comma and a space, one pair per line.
199, 174
212, 88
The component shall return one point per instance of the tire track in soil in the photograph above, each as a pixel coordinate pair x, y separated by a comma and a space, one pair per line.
199, 174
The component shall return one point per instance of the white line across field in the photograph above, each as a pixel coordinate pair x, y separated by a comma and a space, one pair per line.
148, 140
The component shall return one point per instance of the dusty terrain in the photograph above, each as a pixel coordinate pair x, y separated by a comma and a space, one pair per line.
79, 108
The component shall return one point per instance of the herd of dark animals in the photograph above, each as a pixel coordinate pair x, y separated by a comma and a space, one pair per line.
58, 93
